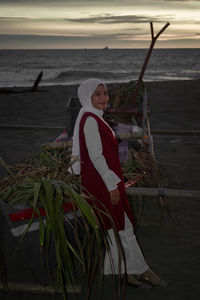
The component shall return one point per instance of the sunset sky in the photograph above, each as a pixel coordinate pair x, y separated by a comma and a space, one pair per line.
71, 24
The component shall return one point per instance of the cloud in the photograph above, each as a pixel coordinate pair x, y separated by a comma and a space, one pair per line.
70, 36
89, 2
128, 34
111, 19
176, 0
64, 1
14, 18
101, 19
60, 2
48, 21
30, 1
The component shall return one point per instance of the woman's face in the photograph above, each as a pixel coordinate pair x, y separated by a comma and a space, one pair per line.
100, 97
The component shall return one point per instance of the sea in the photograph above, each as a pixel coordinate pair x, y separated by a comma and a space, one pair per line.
66, 67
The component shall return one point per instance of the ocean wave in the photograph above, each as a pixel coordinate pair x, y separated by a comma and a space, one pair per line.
81, 75
65, 67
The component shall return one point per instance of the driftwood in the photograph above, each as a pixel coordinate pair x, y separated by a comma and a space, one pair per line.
17, 90
37, 81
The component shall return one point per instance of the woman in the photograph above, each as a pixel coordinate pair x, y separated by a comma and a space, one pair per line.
95, 145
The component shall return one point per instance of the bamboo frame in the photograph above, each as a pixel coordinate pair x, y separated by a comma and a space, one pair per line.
132, 191
69, 144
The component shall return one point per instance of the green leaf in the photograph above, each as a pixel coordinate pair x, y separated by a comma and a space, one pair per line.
37, 186
41, 228
84, 207
7, 193
46, 160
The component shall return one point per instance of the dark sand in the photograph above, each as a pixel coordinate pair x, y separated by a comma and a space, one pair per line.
174, 105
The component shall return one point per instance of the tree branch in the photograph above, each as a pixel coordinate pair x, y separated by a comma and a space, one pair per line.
147, 60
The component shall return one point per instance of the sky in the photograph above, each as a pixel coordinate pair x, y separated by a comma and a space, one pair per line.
74, 24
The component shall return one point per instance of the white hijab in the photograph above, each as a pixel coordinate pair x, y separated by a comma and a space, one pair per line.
85, 91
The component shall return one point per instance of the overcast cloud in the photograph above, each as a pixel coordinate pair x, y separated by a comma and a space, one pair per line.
116, 23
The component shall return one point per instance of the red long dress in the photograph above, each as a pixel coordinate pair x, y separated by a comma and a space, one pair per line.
92, 180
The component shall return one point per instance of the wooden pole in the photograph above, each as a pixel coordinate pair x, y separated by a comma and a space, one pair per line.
37, 288
154, 38
153, 131
147, 137
37, 81
132, 191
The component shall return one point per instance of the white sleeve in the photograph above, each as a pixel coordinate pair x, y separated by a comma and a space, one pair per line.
94, 147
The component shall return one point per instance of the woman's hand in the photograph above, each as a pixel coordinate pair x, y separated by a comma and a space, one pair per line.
114, 197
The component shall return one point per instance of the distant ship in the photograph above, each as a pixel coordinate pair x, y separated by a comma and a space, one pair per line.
106, 48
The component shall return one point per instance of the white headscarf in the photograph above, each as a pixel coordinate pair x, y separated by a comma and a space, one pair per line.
85, 91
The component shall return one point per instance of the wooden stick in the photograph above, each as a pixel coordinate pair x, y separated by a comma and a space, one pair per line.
153, 131
57, 145
154, 38
126, 136
152, 32
37, 81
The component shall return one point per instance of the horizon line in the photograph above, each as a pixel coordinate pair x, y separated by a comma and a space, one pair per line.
106, 49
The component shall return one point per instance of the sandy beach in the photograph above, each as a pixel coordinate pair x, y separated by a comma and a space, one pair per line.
174, 105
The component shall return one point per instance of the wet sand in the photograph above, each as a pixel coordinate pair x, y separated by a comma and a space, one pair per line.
174, 105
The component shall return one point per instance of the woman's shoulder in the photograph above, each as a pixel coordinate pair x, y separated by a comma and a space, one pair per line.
89, 114
90, 117
90, 121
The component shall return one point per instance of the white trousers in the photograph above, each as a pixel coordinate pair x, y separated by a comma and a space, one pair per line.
135, 263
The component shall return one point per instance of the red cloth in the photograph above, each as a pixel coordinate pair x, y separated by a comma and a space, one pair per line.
93, 182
